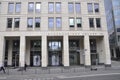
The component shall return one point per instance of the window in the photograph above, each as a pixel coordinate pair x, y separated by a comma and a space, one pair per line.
10, 7
96, 7
70, 7
79, 22
38, 7
93, 47
18, 7
16, 22
118, 29
30, 7
77, 7
37, 22
51, 22
91, 22
51, 7
98, 23
30, 23
9, 22
58, 22
118, 38
90, 7
58, 7
71, 22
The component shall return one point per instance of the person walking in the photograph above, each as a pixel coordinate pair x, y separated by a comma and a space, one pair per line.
2, 68
25, 66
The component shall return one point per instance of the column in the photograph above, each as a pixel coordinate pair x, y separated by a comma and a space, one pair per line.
87, 51
22, 51
2, 48
107, 51
66, 51
10, 53
44, 51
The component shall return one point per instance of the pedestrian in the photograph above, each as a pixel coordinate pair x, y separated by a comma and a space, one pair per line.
25, 66
2, 68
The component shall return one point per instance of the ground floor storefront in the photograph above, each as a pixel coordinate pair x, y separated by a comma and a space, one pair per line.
54, 50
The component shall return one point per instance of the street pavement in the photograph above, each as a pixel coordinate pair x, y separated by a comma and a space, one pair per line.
61, 73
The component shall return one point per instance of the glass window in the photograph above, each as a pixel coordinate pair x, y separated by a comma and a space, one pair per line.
38, 7
91, 22
90, 7
117, 22
79, 22
93, 47
70, 7
118, 38
37, 22
16, 22
18, 7
30, 23
51, 22
98, 23
77, 7
96, 7
58, 22
71, 22
51, 7
118, 29
10, 7
30, 7
58, 7
9, 22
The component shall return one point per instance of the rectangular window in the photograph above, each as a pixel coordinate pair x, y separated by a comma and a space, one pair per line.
51, 7
18, 7
38, 7
98, 22
79, 22
71, 22
77, 7
70, 7
91, 22
90, 7
30, 7
96, 7
30, 23
51, 22
16, 22
118, 38
9, 22
37, 22
10, 7
58, 7
58, 22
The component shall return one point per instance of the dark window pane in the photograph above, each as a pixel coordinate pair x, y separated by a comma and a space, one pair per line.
37, 22
9, 23
91, 22
118, 29
98, 22
17, 22
93, 47
96, 6
79, 22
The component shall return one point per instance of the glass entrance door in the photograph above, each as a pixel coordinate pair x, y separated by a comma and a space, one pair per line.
55, 60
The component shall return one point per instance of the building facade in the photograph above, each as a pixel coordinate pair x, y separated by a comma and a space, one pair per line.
53, 33
113, 23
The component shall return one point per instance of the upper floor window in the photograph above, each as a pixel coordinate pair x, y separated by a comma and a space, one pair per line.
11, 7
70, 7
18, 7
91, 22
38, 7
90, 7
30, 7
96, 7
50, 22
58, 22
37, 22
51, 7
58, 7
30, 22
77, 7
71, 22
79, 22
98, 22
9, 22
16, 22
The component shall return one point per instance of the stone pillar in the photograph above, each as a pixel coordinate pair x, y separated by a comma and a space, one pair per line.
107, 51
44, 55
2, 50
10, 53
66, 51
22, 51
87, 51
